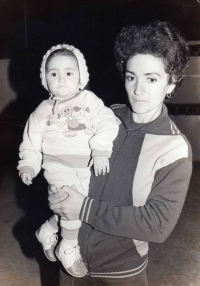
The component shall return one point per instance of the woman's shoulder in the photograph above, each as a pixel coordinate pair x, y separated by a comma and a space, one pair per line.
175, 147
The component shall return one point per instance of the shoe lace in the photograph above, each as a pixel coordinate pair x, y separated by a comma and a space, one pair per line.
51, 239
73, 253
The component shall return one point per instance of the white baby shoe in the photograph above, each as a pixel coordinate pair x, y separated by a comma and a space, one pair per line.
71, 259
48, 240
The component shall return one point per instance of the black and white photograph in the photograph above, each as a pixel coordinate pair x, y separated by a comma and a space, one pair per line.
100, 143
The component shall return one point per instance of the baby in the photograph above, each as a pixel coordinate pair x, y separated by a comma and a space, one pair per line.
65, 135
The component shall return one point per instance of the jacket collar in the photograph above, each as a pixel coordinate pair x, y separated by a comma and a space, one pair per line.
162, 125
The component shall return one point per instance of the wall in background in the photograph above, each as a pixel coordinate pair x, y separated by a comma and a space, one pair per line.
186, 105
7, 94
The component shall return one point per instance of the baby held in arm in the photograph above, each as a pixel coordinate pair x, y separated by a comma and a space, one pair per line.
66, 134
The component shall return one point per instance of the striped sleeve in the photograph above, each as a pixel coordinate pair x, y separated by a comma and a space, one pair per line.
151, 222
85, 210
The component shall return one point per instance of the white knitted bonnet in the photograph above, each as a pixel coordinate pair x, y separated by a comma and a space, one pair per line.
83, 70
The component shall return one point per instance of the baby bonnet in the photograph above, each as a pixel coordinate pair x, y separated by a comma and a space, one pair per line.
83, 70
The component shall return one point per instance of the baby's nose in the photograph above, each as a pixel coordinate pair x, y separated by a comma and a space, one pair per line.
62, 77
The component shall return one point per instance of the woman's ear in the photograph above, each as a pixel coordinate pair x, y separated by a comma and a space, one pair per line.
171, 87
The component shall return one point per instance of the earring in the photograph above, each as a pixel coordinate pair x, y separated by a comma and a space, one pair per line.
168, 96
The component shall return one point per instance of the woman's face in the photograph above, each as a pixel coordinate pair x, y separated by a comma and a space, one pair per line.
146, 83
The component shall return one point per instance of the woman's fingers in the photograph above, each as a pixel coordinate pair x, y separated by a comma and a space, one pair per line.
57, 197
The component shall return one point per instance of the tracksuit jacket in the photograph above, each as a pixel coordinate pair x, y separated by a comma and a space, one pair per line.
139, 200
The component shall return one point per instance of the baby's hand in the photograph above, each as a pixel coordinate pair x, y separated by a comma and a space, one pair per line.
101, 165
26, 178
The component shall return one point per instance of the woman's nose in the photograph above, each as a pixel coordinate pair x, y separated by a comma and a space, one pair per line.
138, 88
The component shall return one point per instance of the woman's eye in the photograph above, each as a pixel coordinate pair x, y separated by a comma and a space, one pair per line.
130, 78
151, 80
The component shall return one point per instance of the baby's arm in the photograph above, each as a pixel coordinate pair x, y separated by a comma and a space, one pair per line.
105, 126
30, 149
26, 178
101, 165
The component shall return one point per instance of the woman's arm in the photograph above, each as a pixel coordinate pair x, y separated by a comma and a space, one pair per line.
152, 222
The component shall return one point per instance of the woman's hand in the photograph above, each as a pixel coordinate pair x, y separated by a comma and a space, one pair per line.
67, 202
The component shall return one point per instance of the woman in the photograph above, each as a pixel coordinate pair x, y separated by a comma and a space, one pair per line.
141, 199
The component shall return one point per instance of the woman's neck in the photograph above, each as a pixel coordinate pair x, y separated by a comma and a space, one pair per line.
147, 117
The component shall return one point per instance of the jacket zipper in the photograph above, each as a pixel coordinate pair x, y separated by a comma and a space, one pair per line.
119, 151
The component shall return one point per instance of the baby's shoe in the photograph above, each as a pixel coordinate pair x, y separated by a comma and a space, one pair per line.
71, 259
48, 239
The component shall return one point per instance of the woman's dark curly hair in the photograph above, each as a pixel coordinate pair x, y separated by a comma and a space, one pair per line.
159, 39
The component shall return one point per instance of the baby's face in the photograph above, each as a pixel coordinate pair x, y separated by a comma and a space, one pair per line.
62, 76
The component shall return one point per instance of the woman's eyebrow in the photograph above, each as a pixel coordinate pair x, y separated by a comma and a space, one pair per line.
152, 73
130, 72
146, 74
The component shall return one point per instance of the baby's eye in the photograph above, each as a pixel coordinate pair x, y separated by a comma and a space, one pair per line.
53, 74
151, 80
69, 73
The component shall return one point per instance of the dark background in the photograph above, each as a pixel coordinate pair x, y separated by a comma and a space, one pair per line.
88, 24
28, 28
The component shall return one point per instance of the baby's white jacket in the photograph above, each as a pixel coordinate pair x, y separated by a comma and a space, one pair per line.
69, 131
